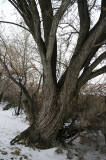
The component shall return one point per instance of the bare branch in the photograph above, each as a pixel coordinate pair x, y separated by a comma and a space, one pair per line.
94, 50
84, 24
97, 72
35, 20
15, 25
92, 5
56, 20
16, 82
100, 44
97, 61
78, 60
47, 16
86, 74
29, 12
15, 4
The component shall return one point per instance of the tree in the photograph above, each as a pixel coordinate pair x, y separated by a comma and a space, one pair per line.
57, 94
18, 65
2, 90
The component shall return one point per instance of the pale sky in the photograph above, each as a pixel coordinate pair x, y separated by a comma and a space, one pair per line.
7, 10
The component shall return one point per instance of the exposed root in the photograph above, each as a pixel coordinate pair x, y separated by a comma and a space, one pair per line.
22, 137
29, 137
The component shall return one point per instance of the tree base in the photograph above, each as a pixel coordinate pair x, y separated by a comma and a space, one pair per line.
31, 137
26, 138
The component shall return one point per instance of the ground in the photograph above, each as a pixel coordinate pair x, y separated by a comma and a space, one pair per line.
90, 147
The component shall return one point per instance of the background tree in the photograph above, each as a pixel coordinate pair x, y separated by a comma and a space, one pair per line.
48, 16
3, 87
16, 58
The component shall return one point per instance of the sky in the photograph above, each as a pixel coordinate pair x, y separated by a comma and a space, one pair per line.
8, 13
7, 10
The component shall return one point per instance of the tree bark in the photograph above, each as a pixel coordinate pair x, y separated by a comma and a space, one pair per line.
55, 108
1, 96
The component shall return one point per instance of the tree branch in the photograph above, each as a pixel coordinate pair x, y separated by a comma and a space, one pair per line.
84, 24
47, 16
97, 61
77, 62
99, 44
16, 24
15, 4
29, 12
35, 19
19, 84
97, 72
92, 5
56, 20
94, 50
86, 74
23, 9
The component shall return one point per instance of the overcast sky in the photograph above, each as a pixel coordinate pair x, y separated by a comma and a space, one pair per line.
7, 10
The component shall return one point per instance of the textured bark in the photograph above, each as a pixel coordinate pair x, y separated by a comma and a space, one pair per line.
55, 108
1, 96
30, 114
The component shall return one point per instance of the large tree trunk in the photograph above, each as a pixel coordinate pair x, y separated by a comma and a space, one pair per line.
45, 128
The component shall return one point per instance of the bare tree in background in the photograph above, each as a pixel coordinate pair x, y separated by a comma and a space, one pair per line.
16, 61
48, 16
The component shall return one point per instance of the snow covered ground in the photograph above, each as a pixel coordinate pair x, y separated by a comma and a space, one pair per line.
11, 125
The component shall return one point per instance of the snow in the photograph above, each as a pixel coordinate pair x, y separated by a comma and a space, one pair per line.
11, 125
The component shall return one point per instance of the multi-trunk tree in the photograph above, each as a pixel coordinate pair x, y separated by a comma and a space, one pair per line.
43, 19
